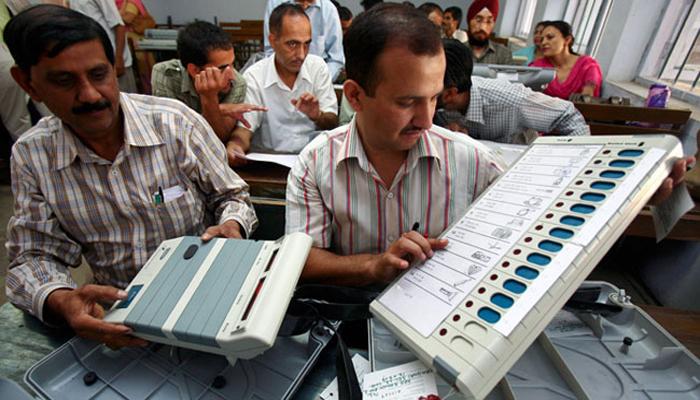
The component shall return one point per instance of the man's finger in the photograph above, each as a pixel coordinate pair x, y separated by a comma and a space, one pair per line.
101, 293
437, 244
418, 239
407, 246
86, 323
210, 233
244, 121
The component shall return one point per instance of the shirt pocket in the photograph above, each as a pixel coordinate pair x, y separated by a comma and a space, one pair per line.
182, 216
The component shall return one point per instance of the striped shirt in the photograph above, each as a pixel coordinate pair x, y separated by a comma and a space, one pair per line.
500, 111
335, 195
69, 202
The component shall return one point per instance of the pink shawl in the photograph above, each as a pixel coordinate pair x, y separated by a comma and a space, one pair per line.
586, 71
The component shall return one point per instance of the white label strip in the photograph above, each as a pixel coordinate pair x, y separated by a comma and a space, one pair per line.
620, 194
537, 289
427, 294
191, 288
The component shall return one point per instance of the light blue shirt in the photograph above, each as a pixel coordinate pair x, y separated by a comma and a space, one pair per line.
327, 35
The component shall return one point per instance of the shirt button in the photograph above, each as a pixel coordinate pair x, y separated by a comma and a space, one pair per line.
114, 172
138, 245
391, 238
390, 196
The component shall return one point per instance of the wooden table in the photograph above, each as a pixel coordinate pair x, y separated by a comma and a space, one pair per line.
681, 324
687, 228
267, 180
610, 119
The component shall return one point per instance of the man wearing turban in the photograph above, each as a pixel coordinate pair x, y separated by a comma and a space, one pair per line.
481, 18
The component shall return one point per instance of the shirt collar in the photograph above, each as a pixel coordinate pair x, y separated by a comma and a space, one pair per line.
272, 77
352, 148
137, 132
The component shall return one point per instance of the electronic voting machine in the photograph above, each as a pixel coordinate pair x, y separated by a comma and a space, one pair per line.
519, 253
226, 296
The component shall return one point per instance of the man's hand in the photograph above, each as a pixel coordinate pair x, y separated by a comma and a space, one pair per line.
236, 111
236, 154
674, 179
229, 229
411, 245
211, 81
308, 104
81, 309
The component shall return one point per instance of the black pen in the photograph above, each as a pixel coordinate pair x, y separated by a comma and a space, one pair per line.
160, 192
416, 226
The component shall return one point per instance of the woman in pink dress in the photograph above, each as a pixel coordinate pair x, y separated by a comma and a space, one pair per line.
575, 73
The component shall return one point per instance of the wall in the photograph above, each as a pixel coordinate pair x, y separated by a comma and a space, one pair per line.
234, 10
631, 26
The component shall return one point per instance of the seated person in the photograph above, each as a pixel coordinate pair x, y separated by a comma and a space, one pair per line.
327, 41
481, 18
345, 18
575, 73
434, 13
294, 85
204, 78
452, 18
85, 180
497, 110
533, 52
358, 190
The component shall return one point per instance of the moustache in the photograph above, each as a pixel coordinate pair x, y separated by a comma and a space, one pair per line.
87, 108
411, 128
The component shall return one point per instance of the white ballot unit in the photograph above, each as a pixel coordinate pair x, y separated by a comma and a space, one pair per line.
520, 251
226, 296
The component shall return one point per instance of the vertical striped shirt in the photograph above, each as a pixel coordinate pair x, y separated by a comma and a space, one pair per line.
69, 202
335, 195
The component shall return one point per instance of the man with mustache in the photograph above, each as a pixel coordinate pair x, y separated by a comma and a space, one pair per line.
375, 193
327, 41
294, 85
481, 18
107, 178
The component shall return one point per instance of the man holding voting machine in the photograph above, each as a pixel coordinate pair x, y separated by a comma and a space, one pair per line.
360, 189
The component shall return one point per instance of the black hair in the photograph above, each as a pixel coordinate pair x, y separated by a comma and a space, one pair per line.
429, 7
386, 25
367, 4
47, 30
458, 72
344, 13
408, 3
565, 29
456, 13
197, 39
280, 12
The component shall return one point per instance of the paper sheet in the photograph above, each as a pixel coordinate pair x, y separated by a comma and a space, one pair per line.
425, 295
667, 214
409, 381
287, 160
362, 367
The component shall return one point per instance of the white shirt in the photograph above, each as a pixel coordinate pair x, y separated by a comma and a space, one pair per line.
106, 14
284, 129
460, 35
327, 34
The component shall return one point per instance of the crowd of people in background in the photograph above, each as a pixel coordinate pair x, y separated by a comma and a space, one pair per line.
188, 81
